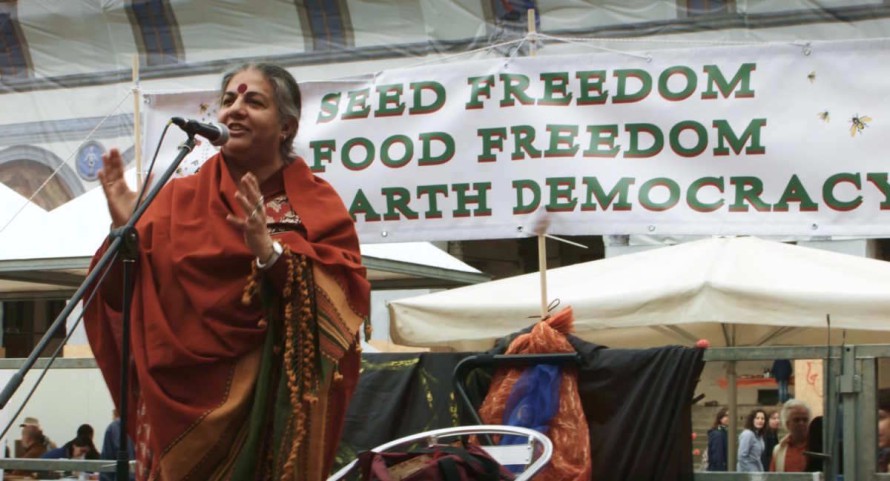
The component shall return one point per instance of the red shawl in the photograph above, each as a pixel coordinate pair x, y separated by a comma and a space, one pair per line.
189, 326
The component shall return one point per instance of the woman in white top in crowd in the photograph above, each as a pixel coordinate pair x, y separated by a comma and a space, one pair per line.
751, 443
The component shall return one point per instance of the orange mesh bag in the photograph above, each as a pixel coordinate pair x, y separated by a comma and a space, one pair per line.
568, 427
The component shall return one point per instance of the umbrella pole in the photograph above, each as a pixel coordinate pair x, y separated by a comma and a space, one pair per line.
542, 244
542, 268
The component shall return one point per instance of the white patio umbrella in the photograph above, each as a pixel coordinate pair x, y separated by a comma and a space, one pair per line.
733, 291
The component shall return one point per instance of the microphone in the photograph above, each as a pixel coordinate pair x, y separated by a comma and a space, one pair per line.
215, 132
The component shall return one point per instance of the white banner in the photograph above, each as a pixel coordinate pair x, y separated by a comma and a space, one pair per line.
777, 139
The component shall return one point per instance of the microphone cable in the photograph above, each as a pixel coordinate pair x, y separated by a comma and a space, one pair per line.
151, 167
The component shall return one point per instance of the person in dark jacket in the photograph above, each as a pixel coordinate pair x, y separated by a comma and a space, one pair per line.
815, 447
85, 431
718, 442
80, 447
782, 371
883, 430
110, 446
77, 448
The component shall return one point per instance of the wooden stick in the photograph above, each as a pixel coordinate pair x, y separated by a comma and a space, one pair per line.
532, 32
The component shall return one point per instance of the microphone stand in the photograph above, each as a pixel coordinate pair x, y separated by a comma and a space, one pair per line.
124, 240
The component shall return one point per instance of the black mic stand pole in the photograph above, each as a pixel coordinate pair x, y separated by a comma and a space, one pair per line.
124, 240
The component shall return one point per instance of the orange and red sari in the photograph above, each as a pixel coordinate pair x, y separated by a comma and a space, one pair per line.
237, 374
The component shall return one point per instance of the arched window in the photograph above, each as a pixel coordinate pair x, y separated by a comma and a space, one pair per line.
327, 24
25, 168
156, 31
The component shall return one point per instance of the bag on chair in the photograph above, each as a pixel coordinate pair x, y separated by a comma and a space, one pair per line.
439, 463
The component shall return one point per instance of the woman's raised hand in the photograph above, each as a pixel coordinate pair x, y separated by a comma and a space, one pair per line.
121, 199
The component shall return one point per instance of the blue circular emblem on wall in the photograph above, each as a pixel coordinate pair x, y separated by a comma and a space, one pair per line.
89, 160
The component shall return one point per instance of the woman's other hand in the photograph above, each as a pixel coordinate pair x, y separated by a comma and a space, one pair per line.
256, 234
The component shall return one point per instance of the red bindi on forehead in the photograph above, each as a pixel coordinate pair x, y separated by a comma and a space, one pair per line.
242, 88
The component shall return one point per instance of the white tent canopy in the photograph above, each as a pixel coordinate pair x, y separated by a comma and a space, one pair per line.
732, 291
48, 252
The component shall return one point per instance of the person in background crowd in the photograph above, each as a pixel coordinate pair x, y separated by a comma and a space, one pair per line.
83, 439
770, 437
81, 447
815, 447
883, 430
85, 431
78, 448
781, 372
718, 442
110, 445
34, 442
751, 443
788, 455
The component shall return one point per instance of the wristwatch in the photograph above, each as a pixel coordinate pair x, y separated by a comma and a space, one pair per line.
277, 250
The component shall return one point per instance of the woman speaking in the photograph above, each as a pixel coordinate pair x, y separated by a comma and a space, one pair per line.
249, 294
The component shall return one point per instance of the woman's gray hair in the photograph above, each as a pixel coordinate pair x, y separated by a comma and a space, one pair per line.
794, 404
286, 93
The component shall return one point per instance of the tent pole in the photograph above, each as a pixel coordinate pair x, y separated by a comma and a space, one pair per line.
137, 121
733, 416
732, 443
